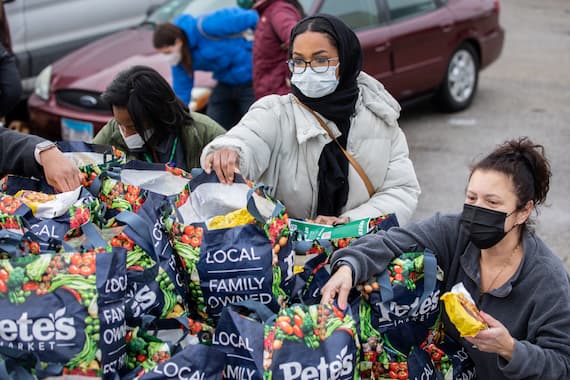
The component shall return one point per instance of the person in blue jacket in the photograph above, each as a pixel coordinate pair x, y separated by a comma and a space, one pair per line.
217, 42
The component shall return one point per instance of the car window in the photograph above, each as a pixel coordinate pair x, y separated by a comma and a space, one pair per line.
401, 9
173, 8
357, 14
307, 5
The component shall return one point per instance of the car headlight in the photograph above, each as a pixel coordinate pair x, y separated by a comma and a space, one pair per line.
43, 83
199, 98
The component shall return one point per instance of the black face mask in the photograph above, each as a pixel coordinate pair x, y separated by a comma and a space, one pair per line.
486, 227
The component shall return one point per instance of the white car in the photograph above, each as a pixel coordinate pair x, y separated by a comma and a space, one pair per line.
42, 31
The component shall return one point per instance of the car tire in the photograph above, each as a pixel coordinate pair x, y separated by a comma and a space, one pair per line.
461, 78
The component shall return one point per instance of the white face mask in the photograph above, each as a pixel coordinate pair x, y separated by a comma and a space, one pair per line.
133, 141
173, 58
316, 85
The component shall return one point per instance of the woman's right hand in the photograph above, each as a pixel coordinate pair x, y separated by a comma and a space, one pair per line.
225, 163
339, 285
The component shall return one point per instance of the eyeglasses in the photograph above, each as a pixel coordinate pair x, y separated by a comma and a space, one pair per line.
318, 65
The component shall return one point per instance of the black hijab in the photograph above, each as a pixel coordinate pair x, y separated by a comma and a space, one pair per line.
337, 107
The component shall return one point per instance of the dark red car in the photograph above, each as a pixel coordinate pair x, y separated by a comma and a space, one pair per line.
414, 47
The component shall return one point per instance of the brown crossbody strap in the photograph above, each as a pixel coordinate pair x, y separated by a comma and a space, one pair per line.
351, 159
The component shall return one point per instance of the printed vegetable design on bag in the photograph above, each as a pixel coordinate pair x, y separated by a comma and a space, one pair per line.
9, 204
56, 306
145, 351
11, 223
311, 327
187, 240
119, 196
91, 164
67, 226
144, 296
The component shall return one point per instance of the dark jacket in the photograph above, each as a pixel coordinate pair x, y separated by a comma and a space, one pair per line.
17, 154
194, 138
270, 48
534, 305
5, 39
217, 46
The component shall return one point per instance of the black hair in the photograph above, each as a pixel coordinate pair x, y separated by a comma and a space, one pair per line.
312, 24
525, 163
150, 101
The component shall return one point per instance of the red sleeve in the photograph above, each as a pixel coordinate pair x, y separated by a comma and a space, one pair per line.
283, 20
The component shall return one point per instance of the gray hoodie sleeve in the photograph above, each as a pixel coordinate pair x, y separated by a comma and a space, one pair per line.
370, 255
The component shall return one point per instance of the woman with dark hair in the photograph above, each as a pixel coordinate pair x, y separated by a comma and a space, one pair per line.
217, 42
302, 143
271, 44
521, 286
150, 123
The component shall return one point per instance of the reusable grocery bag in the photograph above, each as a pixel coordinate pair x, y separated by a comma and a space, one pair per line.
65, 309
317, 242
155, 286
300, 342
134, 195
399, 313
57, 216
234, 243
126, 187
195, 362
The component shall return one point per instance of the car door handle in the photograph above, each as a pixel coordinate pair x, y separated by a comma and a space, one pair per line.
382, 47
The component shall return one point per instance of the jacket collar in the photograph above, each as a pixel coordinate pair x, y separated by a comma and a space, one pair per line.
470, 264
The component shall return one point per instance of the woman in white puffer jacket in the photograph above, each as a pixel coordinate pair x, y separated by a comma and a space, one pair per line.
281, 143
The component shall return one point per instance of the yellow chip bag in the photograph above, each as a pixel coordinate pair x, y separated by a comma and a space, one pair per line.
232, 219
462, 312
48, 206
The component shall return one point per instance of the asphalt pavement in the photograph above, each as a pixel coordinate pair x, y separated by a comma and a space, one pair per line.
525, 93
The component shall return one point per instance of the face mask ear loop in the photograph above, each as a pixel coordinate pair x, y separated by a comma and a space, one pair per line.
514, 225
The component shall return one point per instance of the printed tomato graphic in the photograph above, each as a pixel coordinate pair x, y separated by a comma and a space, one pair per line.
9, 204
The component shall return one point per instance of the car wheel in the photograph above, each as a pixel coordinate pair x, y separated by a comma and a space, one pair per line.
460, 83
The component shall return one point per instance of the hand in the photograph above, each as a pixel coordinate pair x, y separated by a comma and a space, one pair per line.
60, 172
225, 163
495, 339
329, 220
339, 285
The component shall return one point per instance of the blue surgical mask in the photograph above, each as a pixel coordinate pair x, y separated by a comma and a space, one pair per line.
316, 85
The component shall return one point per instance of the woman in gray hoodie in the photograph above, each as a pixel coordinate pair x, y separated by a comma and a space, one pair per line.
521, 287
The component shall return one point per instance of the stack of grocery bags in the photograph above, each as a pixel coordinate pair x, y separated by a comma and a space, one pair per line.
150, 272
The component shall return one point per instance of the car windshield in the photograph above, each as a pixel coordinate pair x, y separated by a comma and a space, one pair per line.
173, 8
